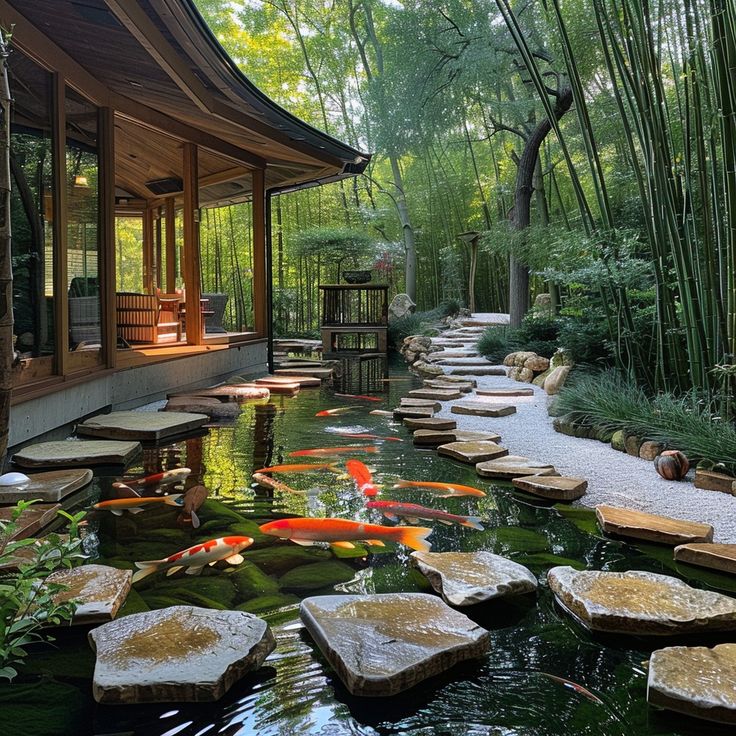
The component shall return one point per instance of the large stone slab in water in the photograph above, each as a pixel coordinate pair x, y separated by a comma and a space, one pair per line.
423, 403
697, 681
212, 407
637, 602
98, 590
467, 578
451, 381
505, 392
77, 453
236, 392
714, 556
464, 387
472, 452
436, 394
176, 654
383, 644
478, 409
32, 520
465, 435
434, 423
322, 373
557, 488
50, 485
513, 466
303, 381
432, 437
651, 527
413, 412
146, 426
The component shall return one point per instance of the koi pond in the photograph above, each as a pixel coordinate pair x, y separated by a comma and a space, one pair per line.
544, 674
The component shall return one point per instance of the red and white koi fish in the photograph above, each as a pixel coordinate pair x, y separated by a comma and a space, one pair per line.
342, 532
336, 412
361, 474
360, 436
277, 485
446, 490
138, 503
412, 513
298, 468
196, 558
329, 451
363, 397
178, 475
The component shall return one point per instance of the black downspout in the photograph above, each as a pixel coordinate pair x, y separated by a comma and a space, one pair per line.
269, 283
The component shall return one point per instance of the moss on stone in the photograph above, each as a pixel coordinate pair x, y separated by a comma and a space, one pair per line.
618, 441
316, 576
250, 581
280, 558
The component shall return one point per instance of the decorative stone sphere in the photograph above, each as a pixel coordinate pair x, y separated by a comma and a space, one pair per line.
671, 465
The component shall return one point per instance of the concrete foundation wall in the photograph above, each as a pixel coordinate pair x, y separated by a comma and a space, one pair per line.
130, 388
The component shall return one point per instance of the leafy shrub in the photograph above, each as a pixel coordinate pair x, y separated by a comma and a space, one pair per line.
419, 323
538, 333
496, 343
587, 340
450, 308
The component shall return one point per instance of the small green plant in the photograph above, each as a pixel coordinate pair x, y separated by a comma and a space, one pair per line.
496, 343
27, 601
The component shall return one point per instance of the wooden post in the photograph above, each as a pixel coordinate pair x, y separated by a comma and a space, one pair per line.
260, 276
148, 250
158, 236
107, 240
191, 246
170, 212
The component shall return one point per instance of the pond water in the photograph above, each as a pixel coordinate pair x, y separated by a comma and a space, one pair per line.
527, 684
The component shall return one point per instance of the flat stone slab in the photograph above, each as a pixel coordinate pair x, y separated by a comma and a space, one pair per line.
303, 381
557, 488
513, 466
469, 361
413, 412
210, 406
715, 556
462, 386
709, 480
478, 409
99, 591
432, 437
424, 403
50, 485
146, 426
236, 392
443, 355
383, 644
436, 394
77, 453
472, 452
434, 423
176, 654
450, 381
465, 435
637, 602
504, 392
322, 373
471, 370
32, 520
467, 578
651, 527
697, 681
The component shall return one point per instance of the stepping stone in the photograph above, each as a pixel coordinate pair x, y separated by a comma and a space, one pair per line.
715, 556
436, 394
213, 408
322, 373
470, 362
651, 527
557, 488
469, 370
295, 364
450, 381
424, 403
51, 485
432, 437
513, 466
77, 453
711, 481
236, 392
282, 389
505, 392
696, 681
472, 452
32, 520
303, 381
413, 412
477, 409
176, 654
464, 435
385, 643
637, 602
467, 578
145, 426
99, 591
434, 423
446, 355
464, 387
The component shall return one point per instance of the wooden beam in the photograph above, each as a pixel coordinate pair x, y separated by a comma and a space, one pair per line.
148, 251
191, 246
107, 241
222, 177
260, 276
170, 214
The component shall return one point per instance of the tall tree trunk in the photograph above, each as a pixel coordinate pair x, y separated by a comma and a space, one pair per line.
407, 231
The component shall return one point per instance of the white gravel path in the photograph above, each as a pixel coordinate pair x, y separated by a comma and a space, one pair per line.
613, 477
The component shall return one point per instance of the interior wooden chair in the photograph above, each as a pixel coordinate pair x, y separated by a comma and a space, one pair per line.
169, 312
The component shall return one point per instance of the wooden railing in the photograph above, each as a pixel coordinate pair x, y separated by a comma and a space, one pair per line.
354, 305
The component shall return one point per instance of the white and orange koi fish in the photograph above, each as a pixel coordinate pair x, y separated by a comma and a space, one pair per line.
136, 504
177, 475
268, 482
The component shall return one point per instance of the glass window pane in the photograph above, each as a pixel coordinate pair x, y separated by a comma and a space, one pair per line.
129, 246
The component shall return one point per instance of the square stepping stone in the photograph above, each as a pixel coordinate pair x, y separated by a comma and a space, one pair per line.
469, 370
714, 556
413, 412
513, 466
404, 638
464, 435
505, 392
651, 527
424, 403
436, 394
439, 425
557, 488
463, 387
50, 485
145, 426
77, 453
212, 407
432, 437
472, 452
236, 392
453, 380
709, 480
32, 520
478, 409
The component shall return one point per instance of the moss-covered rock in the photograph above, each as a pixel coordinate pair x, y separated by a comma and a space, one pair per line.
539, 379
618, 441
280, 558
250, 581
516, 539
632, 443
265, 603
210, 591
316, 576
604, 435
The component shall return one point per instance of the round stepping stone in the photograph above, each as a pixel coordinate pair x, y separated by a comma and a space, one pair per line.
714, 556
31, 520
470, 370
637, 602
467, 578
176, 654
557, 488
413, 412
424, 403
145, 426
477, 409
77, 453
513, 466
51, 485
696, 681
463, 435
651, 527
432, 437
436, 394
504, 392
472, 452
383, 644
213, 408
434, 423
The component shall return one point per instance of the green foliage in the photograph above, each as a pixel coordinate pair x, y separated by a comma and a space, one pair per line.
586, 338
496, 343
26, 600
537, 333
418, 323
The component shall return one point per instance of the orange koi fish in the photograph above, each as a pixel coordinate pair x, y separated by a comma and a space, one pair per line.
277, 485
298, 468
335, 412
196, 558
359, 436
412, 513
328, 451
178, 475
137, 504
359, 396
361, 474
449, 489
342, 532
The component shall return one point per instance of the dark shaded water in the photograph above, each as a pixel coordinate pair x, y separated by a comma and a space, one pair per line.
509, 692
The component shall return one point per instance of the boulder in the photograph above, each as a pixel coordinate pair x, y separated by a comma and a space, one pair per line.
537, 363
472, 452
540, 378
618, 440
632, 443
177, 654
401, 306
518, 373
651, 527
649, 450
561, 357
522, 356
556, 379
427, 369
466, 578
510, 359
513, 466
383, 644
640, 603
